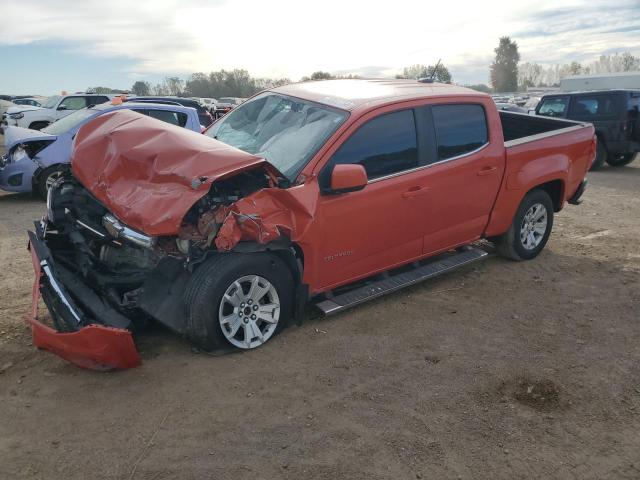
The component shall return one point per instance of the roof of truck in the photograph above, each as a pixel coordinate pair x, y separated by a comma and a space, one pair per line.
349, 94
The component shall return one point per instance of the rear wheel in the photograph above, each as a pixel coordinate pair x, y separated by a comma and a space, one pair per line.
238, 300
601, 156
530, 229
621, 160
47, 178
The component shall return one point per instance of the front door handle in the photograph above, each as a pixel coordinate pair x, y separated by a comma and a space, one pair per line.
487, 171
415, 192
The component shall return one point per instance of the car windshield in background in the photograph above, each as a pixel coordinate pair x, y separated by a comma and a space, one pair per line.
554, 107
285, 131
51, 102
70, 121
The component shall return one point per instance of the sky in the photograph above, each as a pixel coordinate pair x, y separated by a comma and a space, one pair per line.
47, 46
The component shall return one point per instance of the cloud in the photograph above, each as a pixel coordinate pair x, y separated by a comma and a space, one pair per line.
292, 38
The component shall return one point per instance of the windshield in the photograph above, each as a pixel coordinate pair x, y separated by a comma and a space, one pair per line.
51, 101
285, 131
70, 121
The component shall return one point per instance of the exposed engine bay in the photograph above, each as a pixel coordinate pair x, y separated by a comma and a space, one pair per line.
133, 273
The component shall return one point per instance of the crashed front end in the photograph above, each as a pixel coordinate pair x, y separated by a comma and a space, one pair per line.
121, 241
74, 334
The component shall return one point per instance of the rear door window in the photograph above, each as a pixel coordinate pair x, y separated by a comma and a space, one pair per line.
383, 146
460, 129
174, 118
594, 106
91, 101
73, 103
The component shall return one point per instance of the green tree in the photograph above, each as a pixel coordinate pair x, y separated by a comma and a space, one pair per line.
504, 69
141, 88
198, 85
174, 85
320, 75
160, 89
99, 90
575, 68
480, 87
439, 73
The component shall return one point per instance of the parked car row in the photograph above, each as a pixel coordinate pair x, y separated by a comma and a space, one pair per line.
54, 108
614, 113
332, 192
35, 159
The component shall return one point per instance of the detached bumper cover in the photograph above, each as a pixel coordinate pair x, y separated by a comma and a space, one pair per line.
92, 346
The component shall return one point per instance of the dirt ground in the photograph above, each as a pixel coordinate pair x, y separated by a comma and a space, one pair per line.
503, 370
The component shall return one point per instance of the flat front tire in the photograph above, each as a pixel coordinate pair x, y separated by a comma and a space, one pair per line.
238, 300
530, 228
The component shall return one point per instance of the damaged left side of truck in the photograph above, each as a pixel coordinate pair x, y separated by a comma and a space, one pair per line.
125, 234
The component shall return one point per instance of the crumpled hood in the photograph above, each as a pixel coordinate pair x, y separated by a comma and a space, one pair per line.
14, 135
149, 173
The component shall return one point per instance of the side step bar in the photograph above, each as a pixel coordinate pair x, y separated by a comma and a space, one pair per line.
391, 283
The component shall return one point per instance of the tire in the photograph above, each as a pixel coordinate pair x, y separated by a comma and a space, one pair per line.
601, 156
46, 178
511, 245
211, 316
38, 125
621, 160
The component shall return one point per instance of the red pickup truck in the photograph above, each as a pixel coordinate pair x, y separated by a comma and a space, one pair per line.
333, 192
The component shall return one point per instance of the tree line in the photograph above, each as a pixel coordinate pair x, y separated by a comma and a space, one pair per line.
506, 74
239, 83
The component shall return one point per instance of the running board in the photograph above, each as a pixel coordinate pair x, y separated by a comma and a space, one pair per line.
391, 283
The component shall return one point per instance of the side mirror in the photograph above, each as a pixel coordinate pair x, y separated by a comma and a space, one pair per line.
348, 178
62, 107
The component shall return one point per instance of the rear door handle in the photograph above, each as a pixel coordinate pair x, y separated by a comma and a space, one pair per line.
415, 192
487, 171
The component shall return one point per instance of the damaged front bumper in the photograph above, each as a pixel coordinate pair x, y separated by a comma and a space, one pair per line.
77, 336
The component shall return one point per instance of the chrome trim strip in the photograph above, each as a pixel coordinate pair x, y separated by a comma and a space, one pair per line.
429, 165
82, 224
540, 136
56, 287
118, 229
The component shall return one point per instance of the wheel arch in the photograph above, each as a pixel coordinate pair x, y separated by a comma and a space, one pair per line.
555, 189
292, 255
509, 200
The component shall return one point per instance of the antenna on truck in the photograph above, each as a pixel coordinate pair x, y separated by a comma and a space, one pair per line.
433, 74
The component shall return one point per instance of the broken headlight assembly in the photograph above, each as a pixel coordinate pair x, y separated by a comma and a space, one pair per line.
30, 150
17, 154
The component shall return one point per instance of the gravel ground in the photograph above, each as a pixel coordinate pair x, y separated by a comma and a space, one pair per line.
502, 370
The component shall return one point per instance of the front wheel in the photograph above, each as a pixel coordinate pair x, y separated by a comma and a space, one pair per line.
238, 300
530, 229
621, 160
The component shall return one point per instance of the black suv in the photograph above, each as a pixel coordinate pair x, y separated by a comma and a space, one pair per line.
614, 114
203, 115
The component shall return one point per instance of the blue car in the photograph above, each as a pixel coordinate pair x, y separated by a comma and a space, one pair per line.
35, 159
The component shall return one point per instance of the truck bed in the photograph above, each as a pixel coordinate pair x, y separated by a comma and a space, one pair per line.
518, 128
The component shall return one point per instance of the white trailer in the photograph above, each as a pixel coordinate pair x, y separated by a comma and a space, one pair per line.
604, 81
